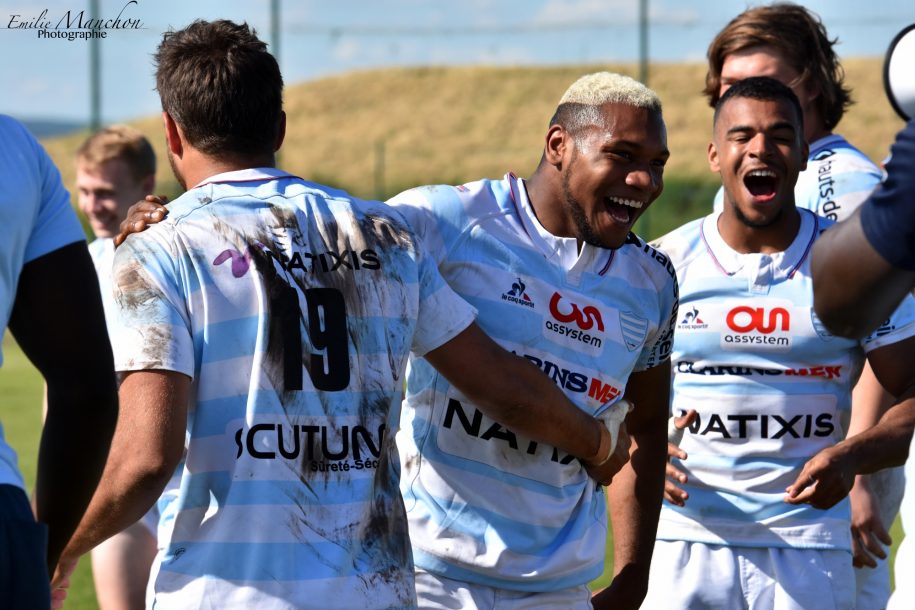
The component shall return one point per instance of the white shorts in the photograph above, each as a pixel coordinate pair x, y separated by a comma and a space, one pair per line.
435, 592
692, 575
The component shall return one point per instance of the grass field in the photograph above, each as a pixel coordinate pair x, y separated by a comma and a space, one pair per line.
20, 412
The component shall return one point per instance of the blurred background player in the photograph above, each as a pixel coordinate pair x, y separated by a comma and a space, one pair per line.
49, 298
115, 168
790, 44
768, 383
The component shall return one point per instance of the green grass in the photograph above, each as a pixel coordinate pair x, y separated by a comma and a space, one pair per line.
20, 412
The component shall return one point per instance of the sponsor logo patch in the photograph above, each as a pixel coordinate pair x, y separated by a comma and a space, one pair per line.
518, 295
763, 328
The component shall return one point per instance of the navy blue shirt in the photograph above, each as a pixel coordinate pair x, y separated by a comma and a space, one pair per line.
888, 217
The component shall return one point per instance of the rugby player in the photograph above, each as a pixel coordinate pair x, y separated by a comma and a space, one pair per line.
769, 385
557, 276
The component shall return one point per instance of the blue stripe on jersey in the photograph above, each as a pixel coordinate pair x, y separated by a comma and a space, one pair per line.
536, 540
199, 490
250, 563
210, 415
525, 582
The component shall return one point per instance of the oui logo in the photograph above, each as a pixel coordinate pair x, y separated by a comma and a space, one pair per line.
584, 318
745, 319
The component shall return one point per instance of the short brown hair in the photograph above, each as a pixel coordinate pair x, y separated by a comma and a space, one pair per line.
221, 86
120, 142
801, 37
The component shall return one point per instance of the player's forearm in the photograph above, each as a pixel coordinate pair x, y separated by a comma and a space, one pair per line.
517, 394
886, 444
127, 490
529, 403
146, 448
74, 445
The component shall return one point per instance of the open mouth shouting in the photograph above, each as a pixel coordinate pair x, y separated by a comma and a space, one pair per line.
762, 184
623, 210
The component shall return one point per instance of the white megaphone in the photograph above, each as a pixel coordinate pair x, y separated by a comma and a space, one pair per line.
899, 73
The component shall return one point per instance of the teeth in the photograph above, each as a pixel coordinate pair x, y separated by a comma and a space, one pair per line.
632, 203
764, 173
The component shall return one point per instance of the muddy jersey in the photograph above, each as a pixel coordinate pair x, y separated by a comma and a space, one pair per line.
35, 219
838, 179
485, 504
292, 307
770, 384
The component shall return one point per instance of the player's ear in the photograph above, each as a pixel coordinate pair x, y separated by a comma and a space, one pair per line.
280, 132
173, 135
713, 158
557, 141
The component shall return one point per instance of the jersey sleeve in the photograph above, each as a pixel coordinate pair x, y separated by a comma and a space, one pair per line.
888, 217
899, 326
57, 224
848, 189
436, 215
658, 348
442, 313
152, 329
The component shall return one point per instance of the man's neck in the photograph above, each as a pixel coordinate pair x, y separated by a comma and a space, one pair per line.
197, 167
545, 197
776, 237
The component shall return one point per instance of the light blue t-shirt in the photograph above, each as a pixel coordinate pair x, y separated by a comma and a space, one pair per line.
770, 384
487, 505
35, 219
292, 307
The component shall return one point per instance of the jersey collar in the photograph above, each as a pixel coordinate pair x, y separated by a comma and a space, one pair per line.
761, 267
565, 249
254, 174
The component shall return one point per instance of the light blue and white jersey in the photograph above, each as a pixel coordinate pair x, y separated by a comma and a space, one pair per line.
838, 179
292, 307
102, 252
35, 219
485, 504
771, 385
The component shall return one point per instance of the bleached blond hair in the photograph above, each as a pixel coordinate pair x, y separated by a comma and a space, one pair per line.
579, 105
